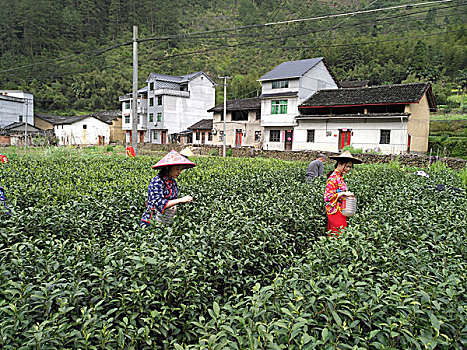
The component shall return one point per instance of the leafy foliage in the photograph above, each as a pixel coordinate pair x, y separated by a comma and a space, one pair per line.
77, 54
245, 266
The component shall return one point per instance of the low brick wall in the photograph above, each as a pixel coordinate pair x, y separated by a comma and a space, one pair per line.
420, 161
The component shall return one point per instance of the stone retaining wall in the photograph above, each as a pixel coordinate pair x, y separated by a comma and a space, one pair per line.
420, 161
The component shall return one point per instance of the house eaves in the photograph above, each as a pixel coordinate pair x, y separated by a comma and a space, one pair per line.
291, 69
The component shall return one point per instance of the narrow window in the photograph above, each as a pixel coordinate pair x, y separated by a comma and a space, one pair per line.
20, 119
151, 102
127, 119
385, 137
159, 117
197, 135
151, 86
310, 136
151, 117
258, 115
257, 136
159, 100
127, 105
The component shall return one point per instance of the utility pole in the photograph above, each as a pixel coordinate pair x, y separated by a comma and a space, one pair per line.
134, 107
225, 110
26, 126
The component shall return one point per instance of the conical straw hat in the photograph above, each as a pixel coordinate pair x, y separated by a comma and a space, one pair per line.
187, 152
174, 158
346, 156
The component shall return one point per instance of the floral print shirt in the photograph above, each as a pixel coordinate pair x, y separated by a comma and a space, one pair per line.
334, 185
160, 191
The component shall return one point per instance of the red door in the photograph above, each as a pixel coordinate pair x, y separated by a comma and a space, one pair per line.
163, 137
238, 138
409, 141
344, 138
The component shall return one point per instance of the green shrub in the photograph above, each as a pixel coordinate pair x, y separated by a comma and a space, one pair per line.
353, 150
229, 152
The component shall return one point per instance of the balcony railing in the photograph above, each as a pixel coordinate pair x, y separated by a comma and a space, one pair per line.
171, 92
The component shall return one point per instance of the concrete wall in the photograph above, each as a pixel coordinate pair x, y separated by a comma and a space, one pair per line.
181, 112
42, 124
317, 78
13, 105
365, 134
249, 128
419, 124
75, 134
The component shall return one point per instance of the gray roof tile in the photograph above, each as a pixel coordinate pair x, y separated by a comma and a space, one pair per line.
291, 69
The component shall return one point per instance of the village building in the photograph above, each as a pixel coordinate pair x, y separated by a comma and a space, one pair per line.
201, 132
92, 129
16, 133
168, 105
16, 106
388, 118
283, 89
242, 123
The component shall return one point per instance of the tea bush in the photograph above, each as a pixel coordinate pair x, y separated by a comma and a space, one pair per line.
246, 265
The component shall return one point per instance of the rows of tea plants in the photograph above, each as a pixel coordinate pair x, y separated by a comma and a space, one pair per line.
246, 265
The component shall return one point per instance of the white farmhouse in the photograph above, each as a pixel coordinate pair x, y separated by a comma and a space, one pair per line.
388, 118
82, 130
168, 105
16, 106
283, 89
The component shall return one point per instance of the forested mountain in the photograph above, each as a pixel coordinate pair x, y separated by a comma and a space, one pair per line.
76, 55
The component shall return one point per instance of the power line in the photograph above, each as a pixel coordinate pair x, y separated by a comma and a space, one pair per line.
179, 36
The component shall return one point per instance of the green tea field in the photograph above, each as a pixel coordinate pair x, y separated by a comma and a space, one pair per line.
246, 265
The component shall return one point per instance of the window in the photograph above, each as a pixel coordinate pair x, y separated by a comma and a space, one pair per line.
85, 126
280, 84
239, 115
139, 119
151, 86
127, 119
20, 119
159, 100
275, 136
310, 136
258, 115
127, 105
257, 136
151, 102
385, 137
159, 117
197, 135
151, 117
279, 107
209, 136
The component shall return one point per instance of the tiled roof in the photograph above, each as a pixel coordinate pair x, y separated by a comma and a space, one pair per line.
203, 124
374, 95
178, 79
104, 116
354, 83
291, 69
279, 94
19, 124
239, 105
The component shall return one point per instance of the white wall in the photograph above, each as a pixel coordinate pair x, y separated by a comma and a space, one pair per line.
366, 134
317, 78
75, 134
179, 112
13, 105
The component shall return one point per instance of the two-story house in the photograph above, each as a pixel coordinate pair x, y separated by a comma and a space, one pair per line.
168, 105
283, 89
388, 118
242, 123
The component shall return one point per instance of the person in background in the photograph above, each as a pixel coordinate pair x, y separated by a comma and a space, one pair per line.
336, 190
315, 168
163, 190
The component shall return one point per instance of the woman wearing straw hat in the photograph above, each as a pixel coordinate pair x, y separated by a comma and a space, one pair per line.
336, 191
163, 190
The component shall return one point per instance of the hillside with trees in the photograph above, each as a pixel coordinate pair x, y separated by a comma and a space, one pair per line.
76, 55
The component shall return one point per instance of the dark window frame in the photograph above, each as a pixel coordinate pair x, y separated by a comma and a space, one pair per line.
310, 135
274, 136
385, 137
